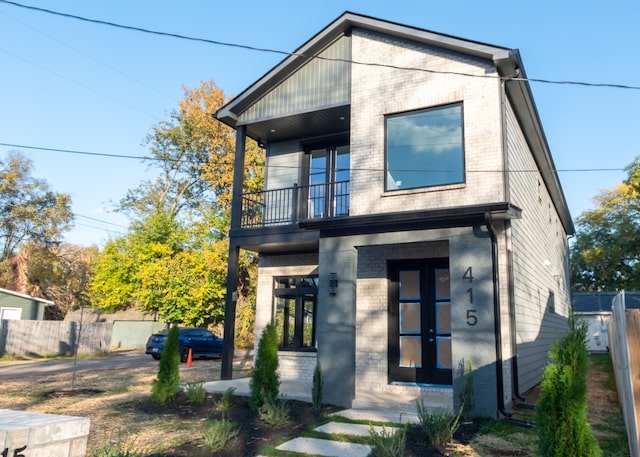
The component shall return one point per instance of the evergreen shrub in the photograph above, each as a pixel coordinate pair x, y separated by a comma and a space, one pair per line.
264, 383
561, 411
165, 386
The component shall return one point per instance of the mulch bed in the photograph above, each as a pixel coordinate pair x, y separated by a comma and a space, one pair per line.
255, 435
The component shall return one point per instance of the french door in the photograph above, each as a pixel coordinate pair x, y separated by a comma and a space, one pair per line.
420, 322
328, 191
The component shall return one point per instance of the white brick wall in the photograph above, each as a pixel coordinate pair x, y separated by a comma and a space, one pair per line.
377, 92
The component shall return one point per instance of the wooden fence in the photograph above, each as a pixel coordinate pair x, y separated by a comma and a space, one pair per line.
20, 337
624, 341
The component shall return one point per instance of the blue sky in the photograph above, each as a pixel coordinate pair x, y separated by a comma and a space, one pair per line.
73, 85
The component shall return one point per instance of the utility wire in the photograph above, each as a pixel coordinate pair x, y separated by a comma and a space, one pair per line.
87, 56
289, 54
121, 156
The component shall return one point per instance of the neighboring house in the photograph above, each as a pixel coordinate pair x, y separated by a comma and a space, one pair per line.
595, 309
17, 306
412, 218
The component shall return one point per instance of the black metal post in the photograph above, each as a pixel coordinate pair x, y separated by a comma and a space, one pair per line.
234, 254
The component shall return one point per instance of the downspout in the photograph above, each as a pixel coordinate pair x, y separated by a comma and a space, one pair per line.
512, 321
496, 315
507, 197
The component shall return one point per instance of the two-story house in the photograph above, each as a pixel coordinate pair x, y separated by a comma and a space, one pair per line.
412, 218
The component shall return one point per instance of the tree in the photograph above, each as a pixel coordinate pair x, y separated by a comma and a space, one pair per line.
59, 273
173, 261
30, 210
165, 386
606, 249
561, 410
265, 383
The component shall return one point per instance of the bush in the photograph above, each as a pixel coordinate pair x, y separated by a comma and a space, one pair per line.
561, 410
165, 387
196, 394
265, 384
117, 444
437, 426
390, 443
226, 400
216, 434
274, 412
316, 388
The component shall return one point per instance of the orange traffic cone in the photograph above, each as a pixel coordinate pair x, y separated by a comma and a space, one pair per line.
189, 358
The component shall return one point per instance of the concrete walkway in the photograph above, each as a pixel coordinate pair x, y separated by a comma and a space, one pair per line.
324, 447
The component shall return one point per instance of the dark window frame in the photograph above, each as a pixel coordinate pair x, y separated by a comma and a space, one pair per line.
298, 293
387, 186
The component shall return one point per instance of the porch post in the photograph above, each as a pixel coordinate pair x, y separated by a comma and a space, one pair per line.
234, 254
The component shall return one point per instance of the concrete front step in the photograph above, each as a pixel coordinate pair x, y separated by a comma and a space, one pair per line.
403, 398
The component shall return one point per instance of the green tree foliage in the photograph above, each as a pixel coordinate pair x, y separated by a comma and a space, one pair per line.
165, 386
264, 384
173, 261
606, 249
31, 212
561, 410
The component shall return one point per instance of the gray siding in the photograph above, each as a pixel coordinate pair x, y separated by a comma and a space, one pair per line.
284, 161
540, 261
321, 83
31, 309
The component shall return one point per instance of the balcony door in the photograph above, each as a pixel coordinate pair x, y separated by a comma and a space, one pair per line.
328, 182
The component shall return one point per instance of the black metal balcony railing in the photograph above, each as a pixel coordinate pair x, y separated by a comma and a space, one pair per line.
293, 204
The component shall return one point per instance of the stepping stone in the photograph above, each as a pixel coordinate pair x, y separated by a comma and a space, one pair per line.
351, 429
325, 447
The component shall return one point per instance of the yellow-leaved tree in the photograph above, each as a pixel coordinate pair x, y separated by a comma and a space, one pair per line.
173, 261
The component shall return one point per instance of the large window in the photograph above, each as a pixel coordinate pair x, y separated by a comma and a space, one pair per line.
295, 300
424, 148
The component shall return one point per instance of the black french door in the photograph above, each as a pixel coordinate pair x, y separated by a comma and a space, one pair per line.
329, 173
420, 322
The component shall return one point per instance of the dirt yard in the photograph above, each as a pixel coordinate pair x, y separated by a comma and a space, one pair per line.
117, 402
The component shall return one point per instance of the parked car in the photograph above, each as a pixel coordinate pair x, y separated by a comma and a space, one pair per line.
202, 343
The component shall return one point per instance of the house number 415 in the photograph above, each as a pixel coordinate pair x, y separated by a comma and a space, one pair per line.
16, 452
472, 318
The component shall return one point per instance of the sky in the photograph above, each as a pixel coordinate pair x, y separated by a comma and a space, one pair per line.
81, 86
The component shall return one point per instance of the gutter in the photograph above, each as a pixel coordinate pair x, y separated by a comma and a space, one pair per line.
496, 315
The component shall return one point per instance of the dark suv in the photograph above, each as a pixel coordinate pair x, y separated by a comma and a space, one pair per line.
201, 341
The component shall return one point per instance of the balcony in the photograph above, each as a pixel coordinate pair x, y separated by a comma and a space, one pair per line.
294, 204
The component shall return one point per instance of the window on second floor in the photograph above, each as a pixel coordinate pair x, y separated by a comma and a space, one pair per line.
424, 148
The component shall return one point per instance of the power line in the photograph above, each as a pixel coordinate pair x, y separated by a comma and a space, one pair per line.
289, 54
376, 170
99, 62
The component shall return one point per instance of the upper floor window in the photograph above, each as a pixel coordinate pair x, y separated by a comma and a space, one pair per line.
424, 148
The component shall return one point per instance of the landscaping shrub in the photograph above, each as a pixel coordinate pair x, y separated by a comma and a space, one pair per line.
196, 394
265, 384
437, 426
316, 388
217, 433
561, 410
165, 387
274, 412
226, 400
390, 443
466, 397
